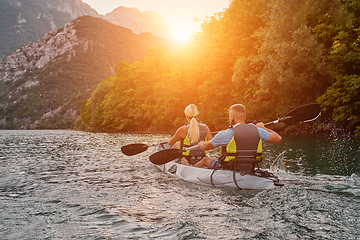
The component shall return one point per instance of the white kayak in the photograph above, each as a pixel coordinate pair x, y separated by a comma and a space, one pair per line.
261, 180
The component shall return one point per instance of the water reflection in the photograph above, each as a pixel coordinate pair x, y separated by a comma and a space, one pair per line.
318, 154
77, 185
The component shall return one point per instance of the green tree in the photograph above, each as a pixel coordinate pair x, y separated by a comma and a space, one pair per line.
289, 69
339, 28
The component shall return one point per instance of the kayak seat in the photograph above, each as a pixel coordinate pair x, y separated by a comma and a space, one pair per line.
244, 166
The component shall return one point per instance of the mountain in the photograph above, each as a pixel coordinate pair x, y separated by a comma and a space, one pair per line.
43, 84
139, 22
25, 21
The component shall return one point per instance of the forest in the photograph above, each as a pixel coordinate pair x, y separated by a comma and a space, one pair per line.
270, 55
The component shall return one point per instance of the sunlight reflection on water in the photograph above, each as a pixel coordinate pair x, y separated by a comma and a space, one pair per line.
68, 184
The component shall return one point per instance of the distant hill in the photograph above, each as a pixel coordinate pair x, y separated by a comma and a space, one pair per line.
140, 22
25, 21
43, 84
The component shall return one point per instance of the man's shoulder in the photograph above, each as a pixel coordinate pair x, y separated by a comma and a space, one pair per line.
223, 137
264, 134
227, 131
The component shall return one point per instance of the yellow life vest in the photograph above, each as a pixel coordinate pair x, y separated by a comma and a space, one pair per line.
185, 143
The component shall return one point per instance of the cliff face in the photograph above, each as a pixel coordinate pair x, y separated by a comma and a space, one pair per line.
38, 54
75, 8
43, 84
25, 21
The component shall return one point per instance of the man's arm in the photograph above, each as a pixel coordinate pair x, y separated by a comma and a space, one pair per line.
274, 136
221, 139
206, 145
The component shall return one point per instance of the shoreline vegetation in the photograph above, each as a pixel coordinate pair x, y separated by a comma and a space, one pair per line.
317, 128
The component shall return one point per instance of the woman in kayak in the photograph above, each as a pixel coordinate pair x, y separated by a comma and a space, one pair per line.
189, 135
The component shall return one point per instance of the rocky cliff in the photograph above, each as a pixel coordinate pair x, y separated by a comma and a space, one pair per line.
38, 54
25, 21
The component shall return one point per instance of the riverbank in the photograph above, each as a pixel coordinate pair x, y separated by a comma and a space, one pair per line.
319, 127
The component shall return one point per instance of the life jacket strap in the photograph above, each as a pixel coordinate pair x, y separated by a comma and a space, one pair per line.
243, 154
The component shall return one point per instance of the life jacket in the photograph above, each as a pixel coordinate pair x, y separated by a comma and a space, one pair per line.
244, 148
185, 143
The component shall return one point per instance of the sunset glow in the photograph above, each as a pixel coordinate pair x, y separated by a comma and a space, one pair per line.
182, 30
179, 14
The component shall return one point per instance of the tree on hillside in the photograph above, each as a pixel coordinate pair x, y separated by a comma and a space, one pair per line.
339, 28
146, 94
289, 69
224, 38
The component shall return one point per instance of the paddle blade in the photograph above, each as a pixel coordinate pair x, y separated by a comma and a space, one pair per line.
304, 113
133, 149
165, 156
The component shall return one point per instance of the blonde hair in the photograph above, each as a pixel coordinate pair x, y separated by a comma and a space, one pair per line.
193, 131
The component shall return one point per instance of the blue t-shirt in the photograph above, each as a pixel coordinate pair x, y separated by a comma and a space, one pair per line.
222, 138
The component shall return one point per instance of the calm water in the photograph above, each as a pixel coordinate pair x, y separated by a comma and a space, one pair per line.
77, 185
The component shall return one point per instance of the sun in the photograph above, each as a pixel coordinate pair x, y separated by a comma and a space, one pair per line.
182, 35
182, 31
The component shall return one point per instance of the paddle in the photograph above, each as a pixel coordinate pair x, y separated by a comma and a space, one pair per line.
305, 113
135, 148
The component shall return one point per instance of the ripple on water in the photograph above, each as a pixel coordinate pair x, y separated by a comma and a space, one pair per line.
67, 184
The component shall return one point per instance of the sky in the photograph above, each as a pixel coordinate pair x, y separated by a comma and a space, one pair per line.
179, 14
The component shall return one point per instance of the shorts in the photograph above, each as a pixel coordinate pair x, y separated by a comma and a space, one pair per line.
215, 164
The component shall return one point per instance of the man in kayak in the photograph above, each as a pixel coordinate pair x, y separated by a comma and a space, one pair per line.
241, 143
190, 135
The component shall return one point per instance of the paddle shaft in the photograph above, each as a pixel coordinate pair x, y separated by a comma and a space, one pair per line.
190, 148
265, 124
278, 120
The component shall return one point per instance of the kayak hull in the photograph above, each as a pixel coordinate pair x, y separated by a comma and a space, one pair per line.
261, 180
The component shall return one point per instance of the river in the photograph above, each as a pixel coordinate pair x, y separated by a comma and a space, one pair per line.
63, 184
